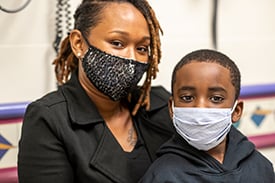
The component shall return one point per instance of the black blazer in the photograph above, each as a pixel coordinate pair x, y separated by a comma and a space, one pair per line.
65, 140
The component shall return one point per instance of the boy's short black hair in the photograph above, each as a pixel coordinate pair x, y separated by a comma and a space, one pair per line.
207, 55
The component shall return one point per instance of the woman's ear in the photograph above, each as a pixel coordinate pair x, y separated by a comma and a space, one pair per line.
170, 106
77, 43
237, 113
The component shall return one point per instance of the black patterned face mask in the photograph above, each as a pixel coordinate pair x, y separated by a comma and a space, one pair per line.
112, 75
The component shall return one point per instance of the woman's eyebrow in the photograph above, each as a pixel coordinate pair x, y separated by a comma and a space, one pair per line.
127, 34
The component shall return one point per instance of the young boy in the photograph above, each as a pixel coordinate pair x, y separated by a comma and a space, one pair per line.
207, 148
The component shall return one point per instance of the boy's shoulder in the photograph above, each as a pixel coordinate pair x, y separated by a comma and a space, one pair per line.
161, 92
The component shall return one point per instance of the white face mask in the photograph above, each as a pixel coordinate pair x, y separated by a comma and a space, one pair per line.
203, 128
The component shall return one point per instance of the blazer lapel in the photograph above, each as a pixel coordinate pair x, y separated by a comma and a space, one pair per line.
153, 134
110, 160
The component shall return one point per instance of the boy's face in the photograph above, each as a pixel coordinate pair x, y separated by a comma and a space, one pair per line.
204, 84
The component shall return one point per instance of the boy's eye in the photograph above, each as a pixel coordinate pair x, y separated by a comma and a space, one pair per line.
216, 99
187, 98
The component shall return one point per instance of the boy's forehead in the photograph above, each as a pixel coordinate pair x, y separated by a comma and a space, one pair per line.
210, 68
203, 74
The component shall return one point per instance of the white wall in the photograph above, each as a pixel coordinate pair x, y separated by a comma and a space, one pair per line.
26, 51
246, 33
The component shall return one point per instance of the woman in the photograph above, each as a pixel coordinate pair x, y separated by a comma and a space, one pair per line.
99, 126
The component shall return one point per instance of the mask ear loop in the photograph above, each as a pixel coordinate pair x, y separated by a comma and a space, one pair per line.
173, 106
87, 42
85, 39
173, 113
234, 106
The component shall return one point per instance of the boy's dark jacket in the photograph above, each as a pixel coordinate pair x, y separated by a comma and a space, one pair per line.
181, 163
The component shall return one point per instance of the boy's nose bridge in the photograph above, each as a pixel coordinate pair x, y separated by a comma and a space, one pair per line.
201, 102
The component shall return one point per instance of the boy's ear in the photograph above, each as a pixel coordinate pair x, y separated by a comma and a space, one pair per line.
170, 106
237, 113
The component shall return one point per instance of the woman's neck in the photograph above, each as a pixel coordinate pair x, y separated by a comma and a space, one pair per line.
116, 116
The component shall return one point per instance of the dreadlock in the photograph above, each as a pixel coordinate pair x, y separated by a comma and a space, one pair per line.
88, 16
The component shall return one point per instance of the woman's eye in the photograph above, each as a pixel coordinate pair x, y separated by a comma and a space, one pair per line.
117, 43
187, 98
216, 99
143, 49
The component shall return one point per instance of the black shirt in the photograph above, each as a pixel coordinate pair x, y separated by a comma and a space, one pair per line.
138, 159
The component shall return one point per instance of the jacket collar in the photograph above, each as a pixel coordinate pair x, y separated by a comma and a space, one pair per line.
83, 111
237, 143
81, 108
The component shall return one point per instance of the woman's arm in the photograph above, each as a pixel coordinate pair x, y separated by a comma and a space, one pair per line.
42, 158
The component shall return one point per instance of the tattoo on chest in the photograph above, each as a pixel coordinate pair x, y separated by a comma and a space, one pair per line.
132, 137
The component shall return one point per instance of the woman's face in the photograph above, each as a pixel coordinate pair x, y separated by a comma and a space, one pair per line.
122, 31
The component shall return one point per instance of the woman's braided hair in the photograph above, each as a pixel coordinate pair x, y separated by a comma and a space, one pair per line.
87, 16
